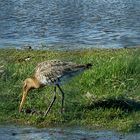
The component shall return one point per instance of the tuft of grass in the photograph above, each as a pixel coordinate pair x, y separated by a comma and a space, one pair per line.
106, 96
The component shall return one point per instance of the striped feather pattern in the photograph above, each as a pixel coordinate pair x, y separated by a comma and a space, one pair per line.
53, 71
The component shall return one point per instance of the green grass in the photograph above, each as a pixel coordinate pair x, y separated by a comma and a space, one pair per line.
107, 96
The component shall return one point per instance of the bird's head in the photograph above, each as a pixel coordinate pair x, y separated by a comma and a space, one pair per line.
29, 83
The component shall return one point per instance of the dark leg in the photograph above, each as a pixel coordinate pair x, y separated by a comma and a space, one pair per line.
54, 97
62, 109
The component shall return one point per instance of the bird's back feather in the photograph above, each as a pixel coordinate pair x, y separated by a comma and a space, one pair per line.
50, 71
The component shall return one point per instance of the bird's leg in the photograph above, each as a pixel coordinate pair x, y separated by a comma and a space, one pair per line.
62, 108
54, 98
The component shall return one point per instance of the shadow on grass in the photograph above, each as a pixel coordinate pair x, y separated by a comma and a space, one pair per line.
124, 104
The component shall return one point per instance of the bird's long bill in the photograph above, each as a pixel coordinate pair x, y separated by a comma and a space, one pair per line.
23, 100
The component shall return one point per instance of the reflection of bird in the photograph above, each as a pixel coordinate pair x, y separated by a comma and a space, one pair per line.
51, 72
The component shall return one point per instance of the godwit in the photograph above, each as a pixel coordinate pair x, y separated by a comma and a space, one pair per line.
51, 72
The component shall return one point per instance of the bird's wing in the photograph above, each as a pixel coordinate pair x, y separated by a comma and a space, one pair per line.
54, 69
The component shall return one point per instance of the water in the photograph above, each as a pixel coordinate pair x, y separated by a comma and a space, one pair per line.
70, 24
12, 132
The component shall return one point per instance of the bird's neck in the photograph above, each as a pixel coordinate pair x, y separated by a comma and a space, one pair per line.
36, 83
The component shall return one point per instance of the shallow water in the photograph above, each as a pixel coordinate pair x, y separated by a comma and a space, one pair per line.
70, 24
13, 132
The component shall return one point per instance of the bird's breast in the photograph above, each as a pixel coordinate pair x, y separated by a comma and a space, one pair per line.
49, 81
44, 81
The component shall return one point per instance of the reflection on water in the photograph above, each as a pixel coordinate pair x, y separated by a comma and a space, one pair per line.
29, 133
71, 23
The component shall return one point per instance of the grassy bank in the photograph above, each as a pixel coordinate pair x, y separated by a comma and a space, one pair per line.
107, 96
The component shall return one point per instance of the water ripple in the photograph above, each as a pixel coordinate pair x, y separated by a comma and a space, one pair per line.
75, 23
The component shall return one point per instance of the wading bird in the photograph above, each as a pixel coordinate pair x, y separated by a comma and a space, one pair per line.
51, 72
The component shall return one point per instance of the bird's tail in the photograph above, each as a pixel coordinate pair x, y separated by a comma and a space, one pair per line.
86, 66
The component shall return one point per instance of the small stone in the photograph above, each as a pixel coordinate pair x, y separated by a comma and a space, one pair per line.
13, 134
28, 110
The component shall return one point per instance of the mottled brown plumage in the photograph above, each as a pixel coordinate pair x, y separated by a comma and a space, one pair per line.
52, 72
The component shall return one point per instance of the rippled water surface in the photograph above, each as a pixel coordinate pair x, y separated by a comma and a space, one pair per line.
70, 23
29, 133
